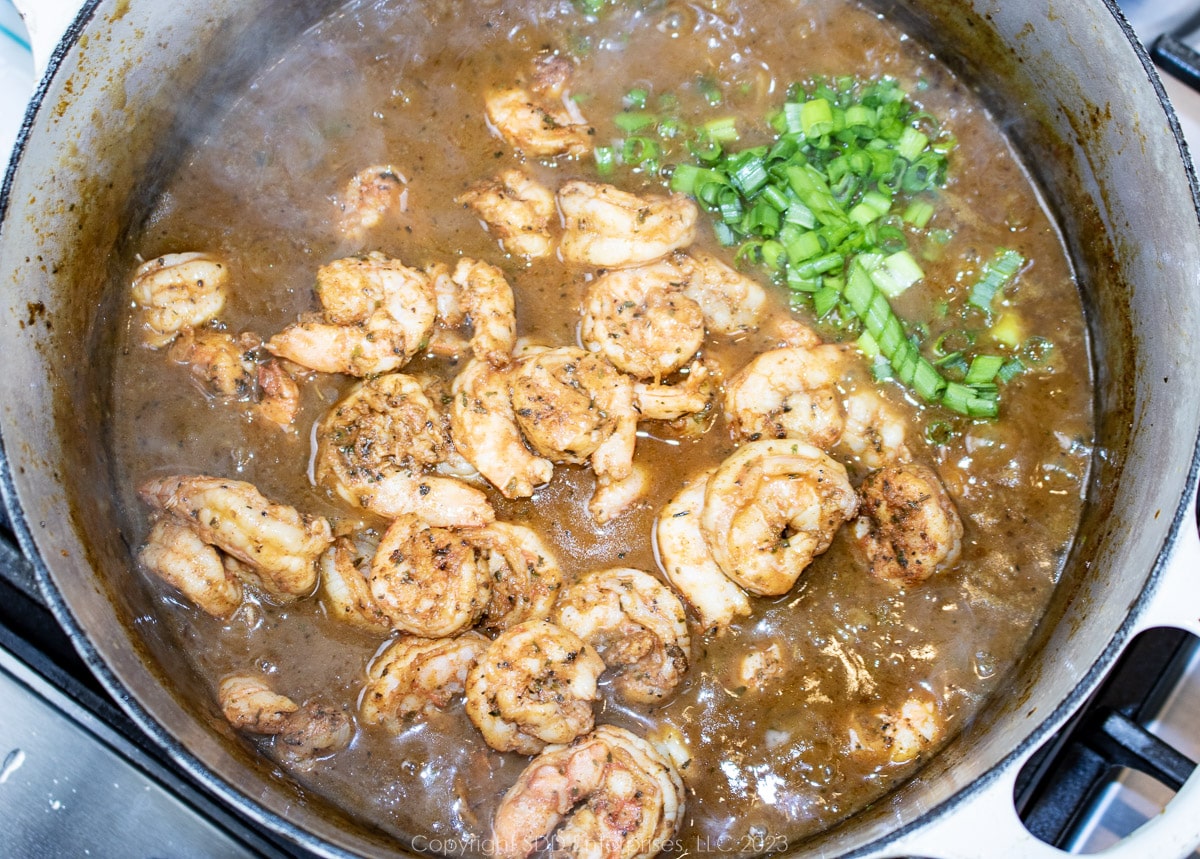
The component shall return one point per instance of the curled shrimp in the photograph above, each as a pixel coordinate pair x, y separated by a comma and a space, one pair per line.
518, 209
606, 227
249, 704
875, 431
637, 625
177, 555
484, 428
534, 685
899, 734
694, 394
178, 291
525, 576
276, 541
428, 581
345, 592
372, 195
688, 564
541, 120
417, 675
222, 365
376, 314
302, 734
908, 528
376, 446
279, 394
486, 300
770, 508
620, 797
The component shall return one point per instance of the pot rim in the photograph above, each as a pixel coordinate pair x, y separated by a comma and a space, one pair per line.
254, 809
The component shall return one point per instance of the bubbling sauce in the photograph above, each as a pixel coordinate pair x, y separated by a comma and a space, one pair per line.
402, 83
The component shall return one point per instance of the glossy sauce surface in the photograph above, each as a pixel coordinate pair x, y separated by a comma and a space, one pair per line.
403, 84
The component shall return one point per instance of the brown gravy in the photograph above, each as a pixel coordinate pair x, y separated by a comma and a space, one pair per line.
402, 83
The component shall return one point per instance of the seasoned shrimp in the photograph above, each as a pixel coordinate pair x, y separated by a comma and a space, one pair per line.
249, 704
685, 558
178, 291
731, 302
541, 120
417, 675
640, 320
908, 528
518, 209
636, 624
345, 593
377, 314
900, 734
222, 365
375, 446
524, 573
275, 540
613, 497
315, 731
770, 508
789, 393
372, 195
622, 799
610, 228
694, 394
428, 581
875, 431
279, 400
534, 685
484, 427
487, 301
177, 555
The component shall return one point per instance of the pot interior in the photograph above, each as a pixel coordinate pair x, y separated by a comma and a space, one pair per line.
141, 80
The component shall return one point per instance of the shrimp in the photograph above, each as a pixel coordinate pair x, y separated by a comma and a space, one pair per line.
279, 394
641, 321
541, 120
417, 675
636, 624
789, 393
770, 508
694, 394
484, 428
518, 209
622, 799
909, 528
760, 666
875, 431
525, 576
731, 302
488, 303
610, 228
224, 366
371, 195
315, 731
535, 685
685, 559
178, 291
613, 497
375, 445
377, 314
275, 540
900, 735
249, 704
428, 581
177, 555
345, 593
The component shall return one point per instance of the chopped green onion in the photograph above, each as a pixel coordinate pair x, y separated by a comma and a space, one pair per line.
918, 213
631, 121
606, 160
723, 130
816, 118
983, 369
997, 274
1011, 369
636, 98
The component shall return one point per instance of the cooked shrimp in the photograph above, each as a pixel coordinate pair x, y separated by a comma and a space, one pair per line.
279, 400
692, 395
770, 508
315, 731
276, 540
640, 320
622, 799
249, 704
377, 313
610, 228
178, 291
222, 365
487, 300
518, 209
417, 675
375, 446
524, 573
899, 735
613, 497
534, 685
731, 302
789, 393
760, 666
637, 625
177, 555
484, 427
874, 432
372, 195
345, 593
908, 528
689, 565
428, 581
541, 120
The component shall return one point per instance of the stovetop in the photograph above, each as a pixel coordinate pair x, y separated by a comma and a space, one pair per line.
78, 778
